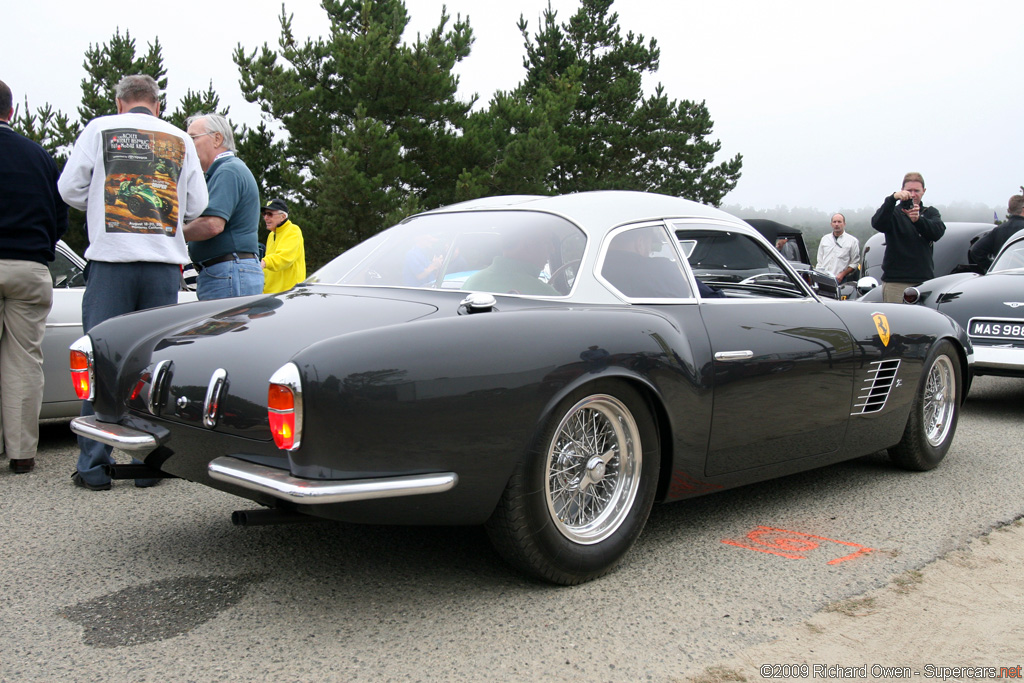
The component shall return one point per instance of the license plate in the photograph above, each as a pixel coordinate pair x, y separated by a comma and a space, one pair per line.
997, 329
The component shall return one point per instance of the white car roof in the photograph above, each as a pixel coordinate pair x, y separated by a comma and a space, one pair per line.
602, 210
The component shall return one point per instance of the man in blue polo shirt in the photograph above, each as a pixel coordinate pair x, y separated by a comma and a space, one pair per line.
223, 242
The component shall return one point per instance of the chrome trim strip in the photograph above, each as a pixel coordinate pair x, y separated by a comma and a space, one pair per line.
877, 386
726, 356
125, 438
214, 392
281, 484
156, 387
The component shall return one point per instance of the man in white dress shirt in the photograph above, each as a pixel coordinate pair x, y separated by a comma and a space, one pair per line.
839, 253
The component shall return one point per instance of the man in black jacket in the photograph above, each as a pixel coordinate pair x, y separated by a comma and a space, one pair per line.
910, 229
986, 248
32, 219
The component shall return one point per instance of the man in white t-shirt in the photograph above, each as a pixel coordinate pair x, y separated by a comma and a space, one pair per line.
839, 253
139, 180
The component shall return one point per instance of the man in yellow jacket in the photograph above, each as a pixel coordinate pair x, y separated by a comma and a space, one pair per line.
284, 264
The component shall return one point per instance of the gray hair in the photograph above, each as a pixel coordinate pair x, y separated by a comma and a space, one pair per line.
138, 88
215, 123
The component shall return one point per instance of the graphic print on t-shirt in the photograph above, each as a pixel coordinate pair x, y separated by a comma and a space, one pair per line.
141, 190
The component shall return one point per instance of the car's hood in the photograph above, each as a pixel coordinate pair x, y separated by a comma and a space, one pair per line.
997, 295
247, 340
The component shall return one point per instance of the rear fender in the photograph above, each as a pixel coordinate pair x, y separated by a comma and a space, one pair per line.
474, 390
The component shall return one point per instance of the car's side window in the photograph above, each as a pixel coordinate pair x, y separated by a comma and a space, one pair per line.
641, 263
65, 272
735, 265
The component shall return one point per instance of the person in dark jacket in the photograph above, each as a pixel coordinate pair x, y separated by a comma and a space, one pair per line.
32, 218
985, 249
910, 229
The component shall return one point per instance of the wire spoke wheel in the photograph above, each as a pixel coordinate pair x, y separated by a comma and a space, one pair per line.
939, 401
931, 424
582, 493
593, 466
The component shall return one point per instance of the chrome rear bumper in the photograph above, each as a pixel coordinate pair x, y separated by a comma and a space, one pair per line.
283, 485
125, 438
272, 481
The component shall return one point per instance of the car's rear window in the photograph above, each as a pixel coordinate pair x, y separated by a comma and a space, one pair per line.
501, 252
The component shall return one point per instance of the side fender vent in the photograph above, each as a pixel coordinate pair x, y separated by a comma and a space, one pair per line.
877, 387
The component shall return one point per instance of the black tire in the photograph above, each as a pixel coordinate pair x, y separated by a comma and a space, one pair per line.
934, 413
581, 496
137, 206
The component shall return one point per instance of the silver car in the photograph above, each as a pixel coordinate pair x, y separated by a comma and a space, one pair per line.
63, 327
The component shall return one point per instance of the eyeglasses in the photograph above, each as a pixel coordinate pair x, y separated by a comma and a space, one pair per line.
198, 135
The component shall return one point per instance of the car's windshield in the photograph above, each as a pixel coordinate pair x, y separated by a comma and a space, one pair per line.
501, 252
1012, 258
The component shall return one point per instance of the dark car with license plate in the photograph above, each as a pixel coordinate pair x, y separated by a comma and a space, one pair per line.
548, 367
989, 306
949, 255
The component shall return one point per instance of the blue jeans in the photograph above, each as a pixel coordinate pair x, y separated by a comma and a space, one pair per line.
112, 289
239, 277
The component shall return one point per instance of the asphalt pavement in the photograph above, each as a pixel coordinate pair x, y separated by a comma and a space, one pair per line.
156, 585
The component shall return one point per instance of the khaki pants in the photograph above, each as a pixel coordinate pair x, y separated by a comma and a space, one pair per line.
26, 294
892, 292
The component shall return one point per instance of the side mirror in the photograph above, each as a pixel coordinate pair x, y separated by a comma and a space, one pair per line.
866, 284
823, 284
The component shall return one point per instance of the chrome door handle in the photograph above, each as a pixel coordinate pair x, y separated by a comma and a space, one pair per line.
734, 355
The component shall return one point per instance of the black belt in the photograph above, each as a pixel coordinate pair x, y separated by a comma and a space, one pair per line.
221, 259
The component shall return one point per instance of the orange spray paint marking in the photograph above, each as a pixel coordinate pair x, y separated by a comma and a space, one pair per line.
794, 545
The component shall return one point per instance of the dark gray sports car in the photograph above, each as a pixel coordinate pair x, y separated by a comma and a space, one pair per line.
949, 255
990, 307
549, 367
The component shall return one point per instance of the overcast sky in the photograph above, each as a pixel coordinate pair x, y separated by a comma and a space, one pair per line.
829, 103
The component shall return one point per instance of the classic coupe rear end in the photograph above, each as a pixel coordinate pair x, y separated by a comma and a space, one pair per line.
548, 367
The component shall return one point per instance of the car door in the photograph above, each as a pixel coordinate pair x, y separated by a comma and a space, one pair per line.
63, 326
782, 361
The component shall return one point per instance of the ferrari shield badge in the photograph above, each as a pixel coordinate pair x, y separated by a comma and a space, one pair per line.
882, 325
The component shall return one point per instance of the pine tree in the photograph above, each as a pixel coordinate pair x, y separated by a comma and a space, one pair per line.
513, 146
359, 188
44, 127
360, 92
107, 64
205, 102
621, 140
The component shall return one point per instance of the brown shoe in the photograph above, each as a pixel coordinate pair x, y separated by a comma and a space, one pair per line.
22, 465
